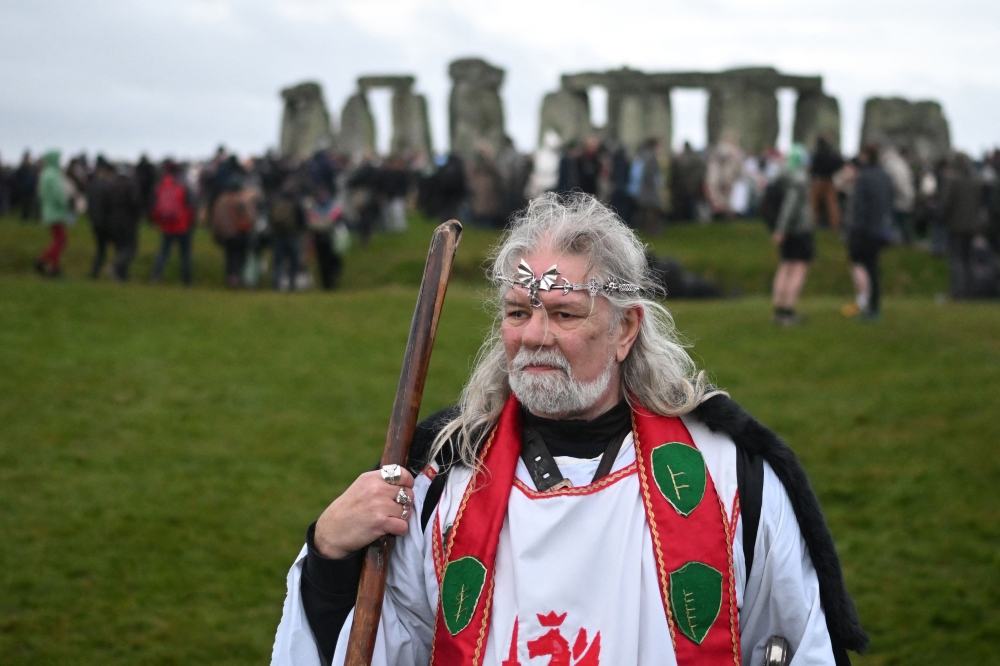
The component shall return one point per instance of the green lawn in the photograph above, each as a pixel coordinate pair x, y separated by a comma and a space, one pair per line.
162, 450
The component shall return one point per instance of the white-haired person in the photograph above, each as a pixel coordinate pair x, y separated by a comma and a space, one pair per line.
590, 500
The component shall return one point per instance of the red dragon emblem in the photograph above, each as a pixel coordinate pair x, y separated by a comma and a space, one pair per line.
555, 646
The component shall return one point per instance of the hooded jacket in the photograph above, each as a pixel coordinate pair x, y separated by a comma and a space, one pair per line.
52, 193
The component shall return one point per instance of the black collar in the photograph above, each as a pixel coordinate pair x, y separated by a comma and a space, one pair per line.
577, 438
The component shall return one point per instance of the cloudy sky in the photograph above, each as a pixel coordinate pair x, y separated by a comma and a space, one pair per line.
180, 76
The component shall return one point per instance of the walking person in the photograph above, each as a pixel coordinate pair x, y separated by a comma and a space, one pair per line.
173, 212
56, 215
871, 224
793, 234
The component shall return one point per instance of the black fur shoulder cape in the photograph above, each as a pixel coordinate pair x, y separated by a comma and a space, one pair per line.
722, 415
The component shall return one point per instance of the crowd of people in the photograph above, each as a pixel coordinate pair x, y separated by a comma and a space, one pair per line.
265, 214
882, 197
283, 218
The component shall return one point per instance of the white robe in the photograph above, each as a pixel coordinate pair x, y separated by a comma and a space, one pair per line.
781, 596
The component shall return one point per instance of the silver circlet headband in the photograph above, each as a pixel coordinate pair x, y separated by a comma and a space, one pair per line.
548, 281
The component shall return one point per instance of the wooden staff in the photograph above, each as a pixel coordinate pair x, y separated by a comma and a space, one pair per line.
440, 256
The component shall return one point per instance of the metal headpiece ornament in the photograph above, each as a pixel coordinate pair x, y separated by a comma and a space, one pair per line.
549, 281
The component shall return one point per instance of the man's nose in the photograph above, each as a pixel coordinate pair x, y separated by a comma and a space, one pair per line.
536, 331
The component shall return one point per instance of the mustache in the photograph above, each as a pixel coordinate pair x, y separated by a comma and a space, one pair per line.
552, 357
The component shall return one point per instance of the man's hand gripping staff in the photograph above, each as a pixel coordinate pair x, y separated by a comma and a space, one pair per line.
382, 495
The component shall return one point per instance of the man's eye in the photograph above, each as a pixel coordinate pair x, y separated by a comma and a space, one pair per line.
517, 314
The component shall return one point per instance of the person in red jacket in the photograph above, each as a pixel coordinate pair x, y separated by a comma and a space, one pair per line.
173, 213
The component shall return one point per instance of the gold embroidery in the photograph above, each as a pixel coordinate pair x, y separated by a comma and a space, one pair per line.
689, 609
661, 567
673, 480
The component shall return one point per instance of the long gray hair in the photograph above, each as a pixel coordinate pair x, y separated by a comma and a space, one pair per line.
658, 372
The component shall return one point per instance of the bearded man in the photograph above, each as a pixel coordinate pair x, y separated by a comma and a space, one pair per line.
591, 499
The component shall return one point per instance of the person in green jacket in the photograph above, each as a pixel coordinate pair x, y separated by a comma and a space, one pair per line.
793, 234
56, 213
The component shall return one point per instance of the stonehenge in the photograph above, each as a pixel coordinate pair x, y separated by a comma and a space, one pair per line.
742, 106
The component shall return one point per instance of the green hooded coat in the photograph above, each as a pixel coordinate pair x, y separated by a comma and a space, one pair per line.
52, 192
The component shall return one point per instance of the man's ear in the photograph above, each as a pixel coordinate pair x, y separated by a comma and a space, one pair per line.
628, 331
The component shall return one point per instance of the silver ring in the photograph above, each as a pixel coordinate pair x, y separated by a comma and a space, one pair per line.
402, 497
391, 474
406, 513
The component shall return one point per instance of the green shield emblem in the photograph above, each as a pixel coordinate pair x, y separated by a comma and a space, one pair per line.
696, 598
460, 591
679, 472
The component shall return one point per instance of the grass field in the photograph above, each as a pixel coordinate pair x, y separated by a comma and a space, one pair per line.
162, 450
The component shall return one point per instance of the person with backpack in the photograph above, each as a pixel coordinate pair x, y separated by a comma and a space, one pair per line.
287, 222
592, 494
173, 212
233, 216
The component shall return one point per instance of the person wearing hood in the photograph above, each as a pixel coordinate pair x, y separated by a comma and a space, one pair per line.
793, 234
56, 214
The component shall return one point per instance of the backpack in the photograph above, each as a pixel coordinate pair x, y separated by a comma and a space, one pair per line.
170, 205
284, 215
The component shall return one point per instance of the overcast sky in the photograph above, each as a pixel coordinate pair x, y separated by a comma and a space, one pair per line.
180, 76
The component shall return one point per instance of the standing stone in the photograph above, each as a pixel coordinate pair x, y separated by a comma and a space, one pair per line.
357, 127
566, 113
643, 116
305, 122
475, 107
631, 125
917, 126
411, 130
816, 115
742, 104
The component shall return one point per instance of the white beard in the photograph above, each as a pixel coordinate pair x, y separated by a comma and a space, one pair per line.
554, 392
